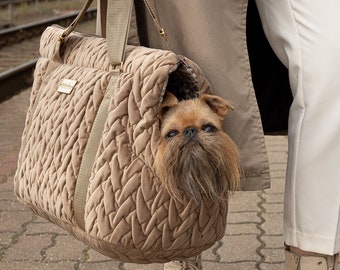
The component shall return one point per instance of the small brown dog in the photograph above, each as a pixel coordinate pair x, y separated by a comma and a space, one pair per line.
195, 156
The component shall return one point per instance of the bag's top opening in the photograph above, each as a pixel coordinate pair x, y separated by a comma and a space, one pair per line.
183, 82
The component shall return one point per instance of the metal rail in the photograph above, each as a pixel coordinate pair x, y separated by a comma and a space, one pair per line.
19, 33
16, 79
4, 3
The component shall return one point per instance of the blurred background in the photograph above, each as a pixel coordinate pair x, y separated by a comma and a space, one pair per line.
17, 12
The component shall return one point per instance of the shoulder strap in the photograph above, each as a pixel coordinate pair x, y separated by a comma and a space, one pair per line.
117, 25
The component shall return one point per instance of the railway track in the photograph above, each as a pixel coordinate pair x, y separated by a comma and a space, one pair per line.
19, 50
18, 33
5, 3
14, 80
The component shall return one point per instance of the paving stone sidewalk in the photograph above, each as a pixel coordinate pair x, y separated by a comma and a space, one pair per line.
253, 239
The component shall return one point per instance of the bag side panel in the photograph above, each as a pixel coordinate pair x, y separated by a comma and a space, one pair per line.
58, 125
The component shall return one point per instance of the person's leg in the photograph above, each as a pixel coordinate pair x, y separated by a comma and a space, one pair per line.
306, 37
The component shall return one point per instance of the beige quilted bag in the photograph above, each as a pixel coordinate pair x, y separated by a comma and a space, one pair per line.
91, 135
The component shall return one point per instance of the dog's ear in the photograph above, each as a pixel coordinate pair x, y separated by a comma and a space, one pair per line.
169, 100
219, 105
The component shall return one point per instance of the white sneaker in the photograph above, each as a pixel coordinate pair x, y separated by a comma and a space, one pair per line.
299, 262
193, 263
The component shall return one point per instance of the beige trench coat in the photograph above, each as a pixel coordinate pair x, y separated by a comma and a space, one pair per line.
213, 34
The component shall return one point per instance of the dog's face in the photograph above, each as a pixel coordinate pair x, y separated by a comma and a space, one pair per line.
195, 156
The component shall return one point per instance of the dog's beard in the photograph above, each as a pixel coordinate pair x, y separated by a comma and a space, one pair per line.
208, 169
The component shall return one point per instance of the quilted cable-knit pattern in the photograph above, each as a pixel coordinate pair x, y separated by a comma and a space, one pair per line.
128, 214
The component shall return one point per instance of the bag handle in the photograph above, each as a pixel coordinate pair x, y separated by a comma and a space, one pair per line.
118, 19
75, 22
153, 11
152, 7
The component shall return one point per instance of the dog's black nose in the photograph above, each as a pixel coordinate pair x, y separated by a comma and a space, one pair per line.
190, 132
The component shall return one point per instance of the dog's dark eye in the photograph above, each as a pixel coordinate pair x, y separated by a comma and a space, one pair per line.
209, 128
171, 133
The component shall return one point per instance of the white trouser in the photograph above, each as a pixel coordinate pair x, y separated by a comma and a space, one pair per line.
305, 35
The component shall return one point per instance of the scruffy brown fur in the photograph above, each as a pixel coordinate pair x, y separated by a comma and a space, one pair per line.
195, 156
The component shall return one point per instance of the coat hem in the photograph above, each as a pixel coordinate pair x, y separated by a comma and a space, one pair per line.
256, 182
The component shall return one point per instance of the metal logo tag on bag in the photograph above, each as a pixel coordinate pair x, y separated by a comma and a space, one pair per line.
66, 86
